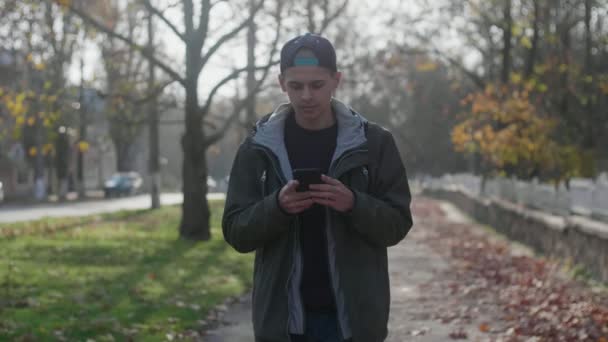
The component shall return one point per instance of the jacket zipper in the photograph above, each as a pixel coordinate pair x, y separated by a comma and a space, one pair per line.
332, 169
283, 181
263, 181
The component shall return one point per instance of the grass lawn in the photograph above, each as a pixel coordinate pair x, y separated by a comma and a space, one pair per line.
117, 277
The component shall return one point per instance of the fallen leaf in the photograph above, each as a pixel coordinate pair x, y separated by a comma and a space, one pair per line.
484, 327
458, 335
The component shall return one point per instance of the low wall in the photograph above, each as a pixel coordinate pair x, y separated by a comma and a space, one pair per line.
579, 239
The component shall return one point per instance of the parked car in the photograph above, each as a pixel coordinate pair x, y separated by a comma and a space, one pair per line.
1, 192
122, 184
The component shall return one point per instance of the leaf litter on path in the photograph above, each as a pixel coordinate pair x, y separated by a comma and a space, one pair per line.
536, 300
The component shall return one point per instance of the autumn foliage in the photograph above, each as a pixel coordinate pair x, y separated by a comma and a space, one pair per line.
512, 136
24, 112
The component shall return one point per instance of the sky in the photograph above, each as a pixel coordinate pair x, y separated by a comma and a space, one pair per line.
232, 55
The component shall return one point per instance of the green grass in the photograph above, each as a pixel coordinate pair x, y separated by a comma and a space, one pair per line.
115, 277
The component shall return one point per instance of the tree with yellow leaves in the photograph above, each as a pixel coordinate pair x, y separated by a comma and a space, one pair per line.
512, 137
33, 99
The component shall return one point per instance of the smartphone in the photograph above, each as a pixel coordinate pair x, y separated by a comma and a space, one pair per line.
306, 177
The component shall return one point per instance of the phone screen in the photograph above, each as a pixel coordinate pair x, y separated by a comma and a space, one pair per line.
306, 177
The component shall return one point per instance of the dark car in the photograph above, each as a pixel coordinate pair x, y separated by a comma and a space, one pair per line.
122, 184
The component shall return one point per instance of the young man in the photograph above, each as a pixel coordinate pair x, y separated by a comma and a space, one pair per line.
320, 270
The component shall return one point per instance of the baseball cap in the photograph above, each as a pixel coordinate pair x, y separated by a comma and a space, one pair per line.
308, 49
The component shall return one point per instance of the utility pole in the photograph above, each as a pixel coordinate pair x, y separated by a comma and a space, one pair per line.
153, 163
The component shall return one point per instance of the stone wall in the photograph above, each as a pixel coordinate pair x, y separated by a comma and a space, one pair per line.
584, 197
577, 238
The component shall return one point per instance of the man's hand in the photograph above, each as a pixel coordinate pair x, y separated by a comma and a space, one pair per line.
293, 202
333, 194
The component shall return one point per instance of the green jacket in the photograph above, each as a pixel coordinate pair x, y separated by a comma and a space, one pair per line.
367, 161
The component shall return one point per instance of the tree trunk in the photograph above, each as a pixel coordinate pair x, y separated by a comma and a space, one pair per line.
153, 166
82, 133
531, 58
589, 141
195, 208
251, 81
62, 159
507, 34
125, 155
564, 104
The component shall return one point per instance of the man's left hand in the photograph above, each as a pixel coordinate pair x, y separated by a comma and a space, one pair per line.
333, 194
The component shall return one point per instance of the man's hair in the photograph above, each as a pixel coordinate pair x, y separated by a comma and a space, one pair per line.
308, 49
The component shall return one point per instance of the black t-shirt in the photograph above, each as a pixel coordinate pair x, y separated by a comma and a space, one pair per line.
313, 149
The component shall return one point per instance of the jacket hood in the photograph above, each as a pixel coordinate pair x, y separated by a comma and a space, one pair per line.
270, 132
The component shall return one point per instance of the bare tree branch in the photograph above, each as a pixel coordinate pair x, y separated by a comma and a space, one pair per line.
227, 79
213, 138
87, 19
188, 14
478, 80
327, 19
256, 89
203, 22
164, 19
310, 10
217, 135
205, 58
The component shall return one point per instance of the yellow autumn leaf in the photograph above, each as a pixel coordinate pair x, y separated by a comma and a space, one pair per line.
47, 149
426, 66
31, 121
83, 146
20, 121
540, 69
40, 66
525, 42
33, 151
516, 30
478, 136
516, 78
65, 3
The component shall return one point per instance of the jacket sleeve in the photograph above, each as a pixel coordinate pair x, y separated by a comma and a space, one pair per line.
251, 219
383, 215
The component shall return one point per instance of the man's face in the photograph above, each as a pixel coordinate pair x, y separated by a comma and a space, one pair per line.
310, 89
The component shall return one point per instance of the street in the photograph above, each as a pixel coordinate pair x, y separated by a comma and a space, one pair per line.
16, 213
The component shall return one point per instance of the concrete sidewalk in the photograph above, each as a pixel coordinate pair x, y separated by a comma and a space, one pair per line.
416, 305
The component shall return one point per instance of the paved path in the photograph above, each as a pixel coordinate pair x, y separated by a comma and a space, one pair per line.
416, 305
15, 213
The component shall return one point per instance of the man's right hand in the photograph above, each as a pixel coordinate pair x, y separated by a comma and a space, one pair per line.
294, 202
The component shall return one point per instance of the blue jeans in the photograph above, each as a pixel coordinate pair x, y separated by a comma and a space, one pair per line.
320, 327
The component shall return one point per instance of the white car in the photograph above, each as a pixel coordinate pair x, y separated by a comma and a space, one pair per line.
1, 192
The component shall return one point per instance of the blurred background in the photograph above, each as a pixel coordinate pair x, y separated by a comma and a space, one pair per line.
154, 88
150, 99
